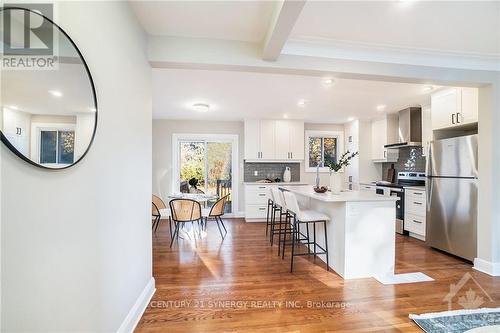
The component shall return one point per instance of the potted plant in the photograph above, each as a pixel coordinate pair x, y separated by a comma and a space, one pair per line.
335, 167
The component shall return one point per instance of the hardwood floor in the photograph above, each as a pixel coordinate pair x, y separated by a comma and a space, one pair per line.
241, 285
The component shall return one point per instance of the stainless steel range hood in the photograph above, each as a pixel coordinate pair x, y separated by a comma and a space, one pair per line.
410, 129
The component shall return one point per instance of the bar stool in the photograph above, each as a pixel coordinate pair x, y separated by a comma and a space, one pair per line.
280, 211
270, 209
304, 217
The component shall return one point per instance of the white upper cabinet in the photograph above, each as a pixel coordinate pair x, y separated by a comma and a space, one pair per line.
267, 140
426, 129
296, 139
453, 107
274, 140
252, 139
384, 131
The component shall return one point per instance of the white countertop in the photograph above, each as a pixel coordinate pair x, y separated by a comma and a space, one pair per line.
342, 197
280, 183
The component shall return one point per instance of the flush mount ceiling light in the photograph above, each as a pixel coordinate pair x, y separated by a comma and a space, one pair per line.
428, 88
328, 82
201, 107
381, 107
350, 119
285, 116
55, 93
302, 103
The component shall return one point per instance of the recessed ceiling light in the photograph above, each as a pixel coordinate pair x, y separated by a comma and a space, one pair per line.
328, 82
285, 116
428, 88
55, 93
13, 107
381, 107
302, 103
201, 107
350, 119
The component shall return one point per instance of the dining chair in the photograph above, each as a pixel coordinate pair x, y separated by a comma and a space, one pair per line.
184, 211
160, 212
216, 212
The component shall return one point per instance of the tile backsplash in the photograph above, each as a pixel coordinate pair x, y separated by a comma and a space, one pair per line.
270, 170
410, 159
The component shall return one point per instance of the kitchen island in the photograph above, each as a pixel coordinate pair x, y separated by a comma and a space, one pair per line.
361, 231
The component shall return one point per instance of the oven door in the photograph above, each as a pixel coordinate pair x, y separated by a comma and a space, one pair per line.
400, 209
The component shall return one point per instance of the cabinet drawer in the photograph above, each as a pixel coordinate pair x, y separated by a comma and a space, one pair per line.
415, 194
256, 198
415, 224
415, 205
255, 211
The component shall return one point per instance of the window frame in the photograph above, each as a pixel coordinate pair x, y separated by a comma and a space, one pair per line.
36, 130
339, 135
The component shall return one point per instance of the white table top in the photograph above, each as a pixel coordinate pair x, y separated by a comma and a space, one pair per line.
200, 197
342, 197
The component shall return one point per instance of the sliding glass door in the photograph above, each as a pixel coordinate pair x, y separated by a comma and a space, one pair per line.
205, 165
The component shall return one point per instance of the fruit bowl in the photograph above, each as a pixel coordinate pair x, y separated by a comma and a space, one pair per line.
321, 189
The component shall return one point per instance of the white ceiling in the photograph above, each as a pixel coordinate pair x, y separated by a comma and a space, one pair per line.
28, 91
462, 26
241, 95
231, 20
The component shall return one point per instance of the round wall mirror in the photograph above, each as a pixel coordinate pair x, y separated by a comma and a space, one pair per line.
47, 100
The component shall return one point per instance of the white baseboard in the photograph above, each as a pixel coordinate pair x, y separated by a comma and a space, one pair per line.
140, 305
490, 268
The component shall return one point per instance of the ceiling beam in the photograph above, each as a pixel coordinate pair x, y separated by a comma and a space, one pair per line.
286, 14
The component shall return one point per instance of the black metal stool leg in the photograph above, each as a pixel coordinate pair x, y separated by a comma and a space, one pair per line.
326, 247
293, 245
314, 240
222, 223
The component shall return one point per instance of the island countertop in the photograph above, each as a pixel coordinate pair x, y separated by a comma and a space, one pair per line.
346, 196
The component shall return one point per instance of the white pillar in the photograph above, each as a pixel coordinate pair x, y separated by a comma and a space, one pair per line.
488, 220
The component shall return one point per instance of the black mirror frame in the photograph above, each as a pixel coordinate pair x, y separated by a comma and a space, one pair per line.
7, 142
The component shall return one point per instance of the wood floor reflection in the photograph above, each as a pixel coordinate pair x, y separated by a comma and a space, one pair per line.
239, 284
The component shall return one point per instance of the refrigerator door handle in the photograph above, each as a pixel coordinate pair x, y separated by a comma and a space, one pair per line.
428, 162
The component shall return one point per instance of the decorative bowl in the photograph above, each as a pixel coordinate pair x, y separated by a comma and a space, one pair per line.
321, 189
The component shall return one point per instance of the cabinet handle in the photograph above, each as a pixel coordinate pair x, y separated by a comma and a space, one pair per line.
262, 209
453, 119
458, 118
291, 155
385, 153
417, 203
262, 194
419, 222
417, 193
262, 187
350, 178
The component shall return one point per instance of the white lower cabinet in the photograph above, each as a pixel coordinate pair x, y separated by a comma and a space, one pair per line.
256, 196
415, 211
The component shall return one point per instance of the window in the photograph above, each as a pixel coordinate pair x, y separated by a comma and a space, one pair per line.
57, 147
321, 147
209, 162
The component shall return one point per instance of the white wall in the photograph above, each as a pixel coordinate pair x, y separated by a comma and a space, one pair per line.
76, 243
162, 149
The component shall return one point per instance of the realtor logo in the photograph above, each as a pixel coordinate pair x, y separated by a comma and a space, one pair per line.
472, 299
28, 36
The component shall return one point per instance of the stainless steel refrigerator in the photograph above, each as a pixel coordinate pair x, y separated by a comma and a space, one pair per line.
452, 196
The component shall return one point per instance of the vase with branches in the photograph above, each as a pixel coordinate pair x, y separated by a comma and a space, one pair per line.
335, 166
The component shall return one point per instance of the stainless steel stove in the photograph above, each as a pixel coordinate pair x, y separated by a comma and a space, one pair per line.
406, 178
